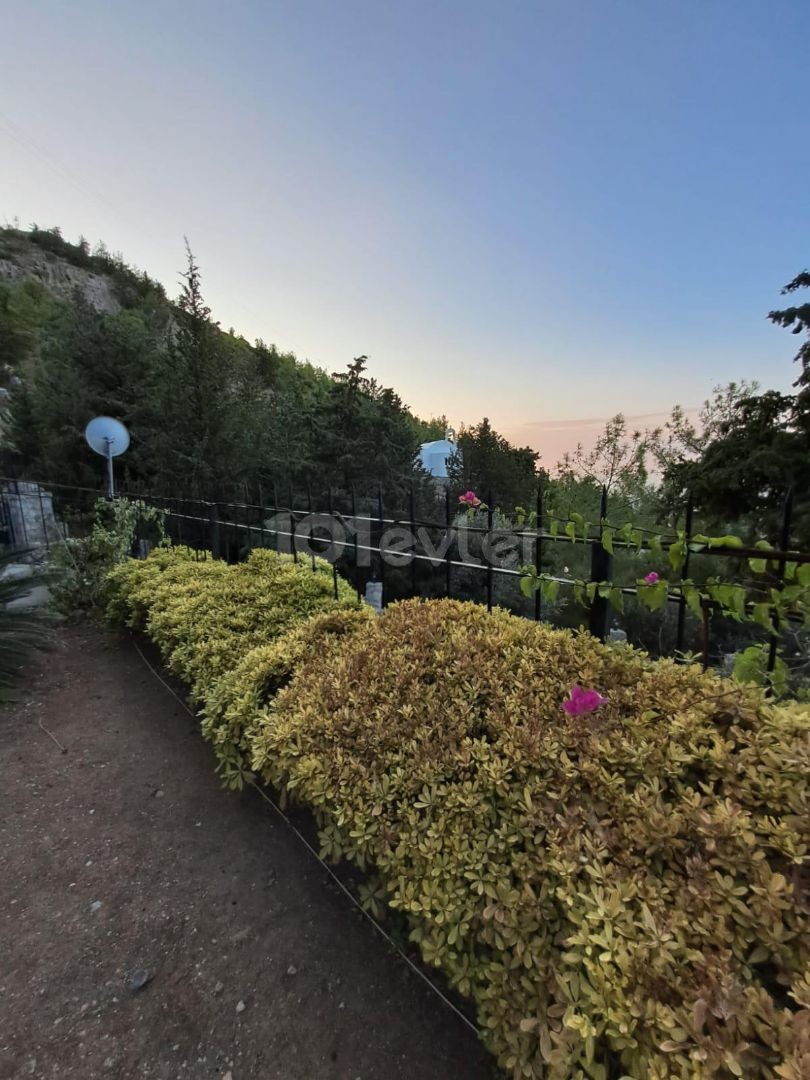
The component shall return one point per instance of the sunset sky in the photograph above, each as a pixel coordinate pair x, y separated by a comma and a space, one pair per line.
545, 212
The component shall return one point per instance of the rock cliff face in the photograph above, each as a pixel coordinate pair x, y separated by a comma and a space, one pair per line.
61, 279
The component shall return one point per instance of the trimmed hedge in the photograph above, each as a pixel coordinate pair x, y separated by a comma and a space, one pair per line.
621, 893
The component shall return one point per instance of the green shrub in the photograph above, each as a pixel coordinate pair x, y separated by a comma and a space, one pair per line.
82, 564
621, 892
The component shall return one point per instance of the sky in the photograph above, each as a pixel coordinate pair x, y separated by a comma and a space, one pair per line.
542, 212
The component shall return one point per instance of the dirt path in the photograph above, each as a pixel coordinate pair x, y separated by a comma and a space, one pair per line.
124, 853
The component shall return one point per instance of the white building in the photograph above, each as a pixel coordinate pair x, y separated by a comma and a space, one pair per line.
434, 455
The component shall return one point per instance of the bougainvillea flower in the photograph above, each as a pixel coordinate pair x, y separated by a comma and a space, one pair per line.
651, 578
469, 498
583, 701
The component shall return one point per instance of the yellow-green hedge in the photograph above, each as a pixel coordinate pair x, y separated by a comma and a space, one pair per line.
622, 893
233, 708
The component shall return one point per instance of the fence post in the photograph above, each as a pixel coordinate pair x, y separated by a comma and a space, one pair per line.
784, 543
311, 534
684, 574
293, 537
538, 550
412, 508
356, 546
704, 633
448, 564
334, 552
248, 526
601, 565
213, 526
380, 544
42, 517
490, 572
276, 509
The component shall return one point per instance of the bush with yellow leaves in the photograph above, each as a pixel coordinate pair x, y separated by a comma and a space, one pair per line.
234, 707
205, 615
622, 893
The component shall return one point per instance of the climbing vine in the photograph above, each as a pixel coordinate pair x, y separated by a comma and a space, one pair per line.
777, 597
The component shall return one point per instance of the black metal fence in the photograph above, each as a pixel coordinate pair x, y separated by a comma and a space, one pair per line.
447, 554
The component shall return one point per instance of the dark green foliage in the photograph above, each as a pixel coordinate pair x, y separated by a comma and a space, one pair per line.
758, 450
745, 472
486, 461
209, 413
368, 437
88, 364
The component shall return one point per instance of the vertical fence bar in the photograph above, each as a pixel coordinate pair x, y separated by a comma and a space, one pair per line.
293, 537
261, 517
356, 545
180, 509
22, 513
275, 512
490, 573
448, 536
249, 527
704, 634
538, 551
380, 543
213, 527
412, 509
334, 551
44, 523
311, 534
684, 575
600, 571
784, 543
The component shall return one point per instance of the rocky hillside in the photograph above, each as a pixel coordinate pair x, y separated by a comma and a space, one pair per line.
44, 257
26, 262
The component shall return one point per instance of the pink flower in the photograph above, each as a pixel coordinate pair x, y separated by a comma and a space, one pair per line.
583, 701
651, 578
469, 498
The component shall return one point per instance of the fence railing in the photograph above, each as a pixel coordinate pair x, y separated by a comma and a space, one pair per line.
418, 555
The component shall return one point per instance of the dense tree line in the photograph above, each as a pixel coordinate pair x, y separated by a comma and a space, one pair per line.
210, 413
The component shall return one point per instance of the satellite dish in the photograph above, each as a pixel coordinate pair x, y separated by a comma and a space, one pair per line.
109, 438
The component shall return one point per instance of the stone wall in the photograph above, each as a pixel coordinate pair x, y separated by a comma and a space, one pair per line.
27, 519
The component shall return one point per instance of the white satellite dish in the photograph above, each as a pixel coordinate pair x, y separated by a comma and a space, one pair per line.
109, 438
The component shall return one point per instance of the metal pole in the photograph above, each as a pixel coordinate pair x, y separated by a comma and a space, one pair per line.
490, 518
413, 538
110, 484
787, 513
356, 548
293, 538
448, 565
380, 545
600, 571
334, 552
538, 551
684, 574
311, 534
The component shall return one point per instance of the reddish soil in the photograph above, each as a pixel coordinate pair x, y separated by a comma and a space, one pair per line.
124, 853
